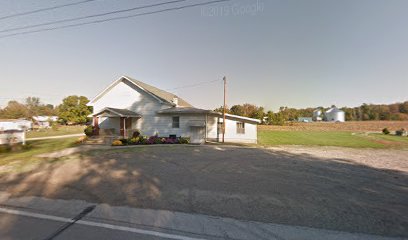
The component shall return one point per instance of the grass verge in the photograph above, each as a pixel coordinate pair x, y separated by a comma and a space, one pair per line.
27, 155
61, 130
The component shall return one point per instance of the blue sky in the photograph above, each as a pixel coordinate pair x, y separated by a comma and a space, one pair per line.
275, 53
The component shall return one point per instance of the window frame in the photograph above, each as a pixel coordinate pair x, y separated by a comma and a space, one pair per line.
175, 124
240, 130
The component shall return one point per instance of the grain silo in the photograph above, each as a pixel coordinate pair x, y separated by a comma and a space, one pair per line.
317, 115
334, 115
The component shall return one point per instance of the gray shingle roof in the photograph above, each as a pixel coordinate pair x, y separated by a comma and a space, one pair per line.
186, 110
161, 94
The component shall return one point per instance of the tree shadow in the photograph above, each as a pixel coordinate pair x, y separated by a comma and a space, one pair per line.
243, 183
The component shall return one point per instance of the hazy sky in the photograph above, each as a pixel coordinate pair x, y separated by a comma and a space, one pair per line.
274, 53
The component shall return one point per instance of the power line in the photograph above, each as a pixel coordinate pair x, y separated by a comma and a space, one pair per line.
90, 16
114, 18
45, 9
194, 85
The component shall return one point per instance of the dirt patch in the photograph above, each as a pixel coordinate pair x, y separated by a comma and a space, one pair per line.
362, 126
334, 188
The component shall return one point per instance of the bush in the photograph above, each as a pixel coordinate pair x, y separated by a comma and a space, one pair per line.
134, 140
183, 140
89, 131
154, 140
124, 141
136, 133
117, 143
401, 132
386, 131
142, 140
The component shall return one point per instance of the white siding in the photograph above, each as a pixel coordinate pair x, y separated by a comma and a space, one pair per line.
125, 95
231, 134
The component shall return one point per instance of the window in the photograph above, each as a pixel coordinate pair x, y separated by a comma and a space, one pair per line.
240, 128
176, 122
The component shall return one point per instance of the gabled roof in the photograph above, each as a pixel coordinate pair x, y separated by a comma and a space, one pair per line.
117, 112
161, 95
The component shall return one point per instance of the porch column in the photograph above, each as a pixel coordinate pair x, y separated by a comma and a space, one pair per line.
96, 125
124, 128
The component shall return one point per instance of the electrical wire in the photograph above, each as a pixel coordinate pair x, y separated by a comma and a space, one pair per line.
114, 18
194, 85
45, 9
90, 16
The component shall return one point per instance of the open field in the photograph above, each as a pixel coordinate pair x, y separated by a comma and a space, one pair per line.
61, 130
348, 134
331, 138
354, 190
362, 126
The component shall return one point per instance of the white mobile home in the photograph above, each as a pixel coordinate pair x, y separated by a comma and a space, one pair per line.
15, 124
128, 104
44, 121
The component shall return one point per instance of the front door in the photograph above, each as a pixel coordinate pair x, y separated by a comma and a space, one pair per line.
125, 124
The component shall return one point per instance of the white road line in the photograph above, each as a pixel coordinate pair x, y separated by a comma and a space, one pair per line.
96, 224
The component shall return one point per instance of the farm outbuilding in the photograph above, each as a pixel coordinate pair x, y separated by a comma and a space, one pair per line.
15, 124
335, 115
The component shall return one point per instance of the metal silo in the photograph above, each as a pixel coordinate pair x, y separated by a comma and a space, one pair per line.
317, 114
335, 115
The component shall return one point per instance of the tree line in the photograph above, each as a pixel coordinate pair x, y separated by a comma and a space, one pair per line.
364, 112
72, 110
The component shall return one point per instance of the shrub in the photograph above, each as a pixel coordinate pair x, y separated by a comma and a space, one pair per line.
170, 141
154, 140
401, 132
124, 141
386, 131
143, 140
136, 133
89, 131
117, 143
54, 126
134, 140
183, 140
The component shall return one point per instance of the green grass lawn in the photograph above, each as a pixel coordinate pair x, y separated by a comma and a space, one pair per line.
319, 138
61, 130
392, 138
26, 155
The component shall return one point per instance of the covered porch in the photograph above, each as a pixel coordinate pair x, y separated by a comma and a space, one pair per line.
116, 122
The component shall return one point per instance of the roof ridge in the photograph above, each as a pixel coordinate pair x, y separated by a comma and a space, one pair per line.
162, 94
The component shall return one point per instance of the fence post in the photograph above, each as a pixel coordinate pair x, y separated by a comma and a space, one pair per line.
24, 137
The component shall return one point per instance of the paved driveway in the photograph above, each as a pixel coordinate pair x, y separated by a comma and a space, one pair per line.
327, 191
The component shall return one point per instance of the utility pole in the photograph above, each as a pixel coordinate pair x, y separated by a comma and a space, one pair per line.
223, 122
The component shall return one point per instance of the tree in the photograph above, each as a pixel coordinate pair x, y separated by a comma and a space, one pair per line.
221, 109
237, 110
74, 110
403, 107
33, 105
15, 110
